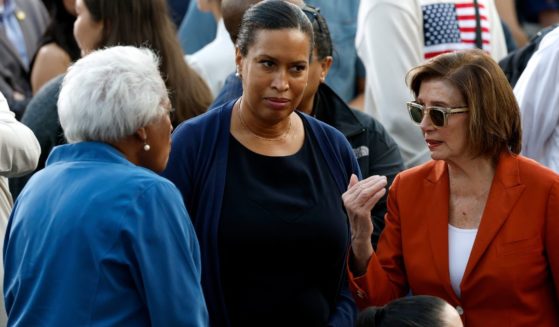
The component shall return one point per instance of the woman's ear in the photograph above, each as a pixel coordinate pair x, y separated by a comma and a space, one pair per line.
325, 65
141, 134
238, 62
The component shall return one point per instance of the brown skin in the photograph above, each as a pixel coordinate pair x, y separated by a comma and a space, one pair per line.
87, 31
158, 135
274, 74
318, 70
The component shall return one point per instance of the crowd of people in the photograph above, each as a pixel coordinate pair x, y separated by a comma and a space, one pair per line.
279, 163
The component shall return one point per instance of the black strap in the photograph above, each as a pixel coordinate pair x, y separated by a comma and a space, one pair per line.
479, 39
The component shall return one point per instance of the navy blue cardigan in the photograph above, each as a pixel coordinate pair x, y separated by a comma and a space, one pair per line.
197, 165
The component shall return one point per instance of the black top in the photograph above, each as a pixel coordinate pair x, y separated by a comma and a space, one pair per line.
283, 237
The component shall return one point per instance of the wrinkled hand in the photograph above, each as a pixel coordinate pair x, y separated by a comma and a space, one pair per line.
359, 200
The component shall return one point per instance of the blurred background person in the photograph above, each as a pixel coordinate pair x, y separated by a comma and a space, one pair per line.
457, 225
411, 311
537, 14
347, 74
19, 153
393, 37
22, 23
375, 150
197, 28
178, 9
57, 48
508, 13
100, 24
263, 184
97, 237
538, 98
216, 60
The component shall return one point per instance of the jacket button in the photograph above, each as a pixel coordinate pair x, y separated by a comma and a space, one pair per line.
460, 310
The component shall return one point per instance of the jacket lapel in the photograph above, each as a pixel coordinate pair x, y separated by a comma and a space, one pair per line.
505, 191
9, 48
437, 197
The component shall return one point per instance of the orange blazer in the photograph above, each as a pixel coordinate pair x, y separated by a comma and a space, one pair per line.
512, 276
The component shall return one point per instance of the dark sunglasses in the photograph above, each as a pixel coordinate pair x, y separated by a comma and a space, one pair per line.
438, 115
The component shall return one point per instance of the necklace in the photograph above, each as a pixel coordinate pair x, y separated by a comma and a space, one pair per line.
278, 138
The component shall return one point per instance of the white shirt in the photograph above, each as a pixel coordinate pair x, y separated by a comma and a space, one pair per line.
19, 153
537, 93
216, 60
460, 243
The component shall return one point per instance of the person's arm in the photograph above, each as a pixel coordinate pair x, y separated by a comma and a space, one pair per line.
168, 272
19, 149
50, 62
375, 280
359, 200
507, 12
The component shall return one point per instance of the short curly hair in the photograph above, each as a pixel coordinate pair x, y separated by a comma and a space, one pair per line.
111, 93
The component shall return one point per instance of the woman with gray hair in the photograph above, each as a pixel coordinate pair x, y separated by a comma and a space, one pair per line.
97, 237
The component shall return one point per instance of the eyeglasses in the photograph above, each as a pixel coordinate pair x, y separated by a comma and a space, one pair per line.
438, 115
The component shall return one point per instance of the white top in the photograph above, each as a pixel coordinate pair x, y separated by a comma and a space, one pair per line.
19, 153
460, 243
538, 97
216, 60
391, 40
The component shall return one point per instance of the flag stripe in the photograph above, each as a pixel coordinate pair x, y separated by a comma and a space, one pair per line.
452, 27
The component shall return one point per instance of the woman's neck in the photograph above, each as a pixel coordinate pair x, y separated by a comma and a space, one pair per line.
307, 105
471, 174
277, 132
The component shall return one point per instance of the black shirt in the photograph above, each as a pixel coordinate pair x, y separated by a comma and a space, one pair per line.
283, 238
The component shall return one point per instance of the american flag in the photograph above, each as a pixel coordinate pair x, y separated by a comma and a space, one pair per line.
451, 26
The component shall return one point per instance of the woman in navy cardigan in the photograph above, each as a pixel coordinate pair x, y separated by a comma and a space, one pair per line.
263, 184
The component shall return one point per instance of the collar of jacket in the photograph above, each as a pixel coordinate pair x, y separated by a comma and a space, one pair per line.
331, 109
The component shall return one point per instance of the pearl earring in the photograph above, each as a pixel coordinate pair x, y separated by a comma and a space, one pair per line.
237, 74
146, 147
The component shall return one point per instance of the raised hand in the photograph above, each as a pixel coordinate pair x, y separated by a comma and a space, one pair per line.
359, 200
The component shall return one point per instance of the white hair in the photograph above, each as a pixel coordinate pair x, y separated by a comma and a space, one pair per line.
111, 93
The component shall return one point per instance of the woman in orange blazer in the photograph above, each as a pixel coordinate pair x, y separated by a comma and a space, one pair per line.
479, 224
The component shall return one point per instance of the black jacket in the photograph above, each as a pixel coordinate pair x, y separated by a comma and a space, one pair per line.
377, 153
